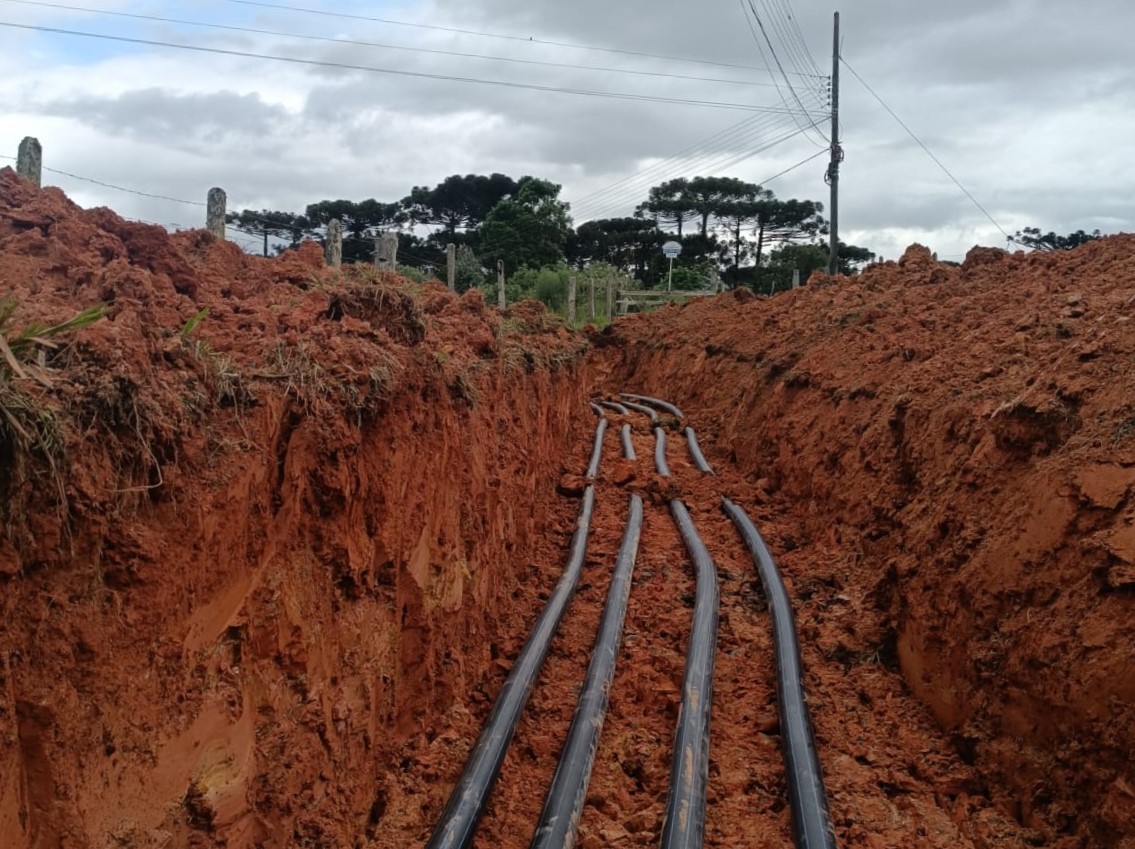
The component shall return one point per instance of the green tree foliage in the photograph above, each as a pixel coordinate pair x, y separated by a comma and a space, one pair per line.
362, 221
271, 226
776, 275
670, 205
708, 197
626, 243
529, 229
458, 203
1031, 237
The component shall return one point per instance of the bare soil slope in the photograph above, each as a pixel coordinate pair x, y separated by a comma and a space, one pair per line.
242, 562
959, 442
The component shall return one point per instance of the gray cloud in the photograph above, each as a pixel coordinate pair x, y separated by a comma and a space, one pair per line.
1022, 99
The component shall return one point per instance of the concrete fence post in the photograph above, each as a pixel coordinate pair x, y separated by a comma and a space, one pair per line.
215, 212
591, 294
451, 266
29, 160
796, 278
386, 251
502, 297
571, 301
610, 298
335, 243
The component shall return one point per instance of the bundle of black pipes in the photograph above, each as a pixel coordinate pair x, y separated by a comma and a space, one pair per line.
467, 802
684, 826
811, 822
559, 820
660, 452
649, 412
665, 406
628, 446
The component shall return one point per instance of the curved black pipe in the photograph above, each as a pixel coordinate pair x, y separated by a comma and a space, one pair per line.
468, 800
642, 408
597, 449
628, 446
660, 452
684, 826
695, 452
655, 402
811, 821
616, 407
563, 805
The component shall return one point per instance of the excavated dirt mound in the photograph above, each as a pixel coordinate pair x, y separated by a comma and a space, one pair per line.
956, 448
246, 554
273, 534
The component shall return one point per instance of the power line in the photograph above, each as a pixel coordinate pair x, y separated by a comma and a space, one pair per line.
717, 166
927, 150
124, 189
731, 138
380, 45
780, 67
752, 141
396, 71
505, 36
787, 5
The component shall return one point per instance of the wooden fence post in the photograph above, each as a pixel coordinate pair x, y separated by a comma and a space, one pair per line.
571, 301
502, 298
451, 266
335, 243
215, 212
29, 160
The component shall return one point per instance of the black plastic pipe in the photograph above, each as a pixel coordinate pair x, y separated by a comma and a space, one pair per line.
808, 800
628, 446
467, 802
655, 402
660, 452
642, 408
695, 452
684, 826
563, 805
615, 407
597, 449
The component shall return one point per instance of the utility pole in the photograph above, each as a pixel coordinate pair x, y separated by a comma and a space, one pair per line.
837, 156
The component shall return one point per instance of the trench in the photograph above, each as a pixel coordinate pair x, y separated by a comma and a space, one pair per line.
456, 588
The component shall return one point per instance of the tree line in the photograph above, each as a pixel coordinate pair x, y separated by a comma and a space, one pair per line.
726, 226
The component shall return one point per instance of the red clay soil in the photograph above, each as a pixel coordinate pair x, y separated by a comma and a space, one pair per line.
892, 775
261, 578
947, 456
243, 563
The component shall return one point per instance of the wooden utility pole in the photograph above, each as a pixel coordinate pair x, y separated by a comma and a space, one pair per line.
837, 156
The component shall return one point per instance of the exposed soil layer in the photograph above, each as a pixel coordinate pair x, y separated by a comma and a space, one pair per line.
949, 457
264, 568
892, 775
243, 562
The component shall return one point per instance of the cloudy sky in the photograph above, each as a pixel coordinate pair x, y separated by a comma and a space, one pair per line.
1028, 102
